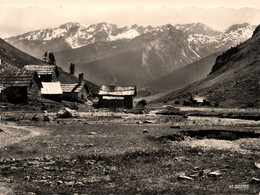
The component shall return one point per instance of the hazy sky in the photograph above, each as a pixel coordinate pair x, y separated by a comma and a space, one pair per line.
20, 16
127, 3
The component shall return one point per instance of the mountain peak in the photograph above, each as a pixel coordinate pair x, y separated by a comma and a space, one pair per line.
237, 26
197, 28
69, 25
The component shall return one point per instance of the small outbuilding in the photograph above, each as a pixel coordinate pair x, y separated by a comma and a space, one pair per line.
46, 73
75, 92
116, 96
20, 86
52, 91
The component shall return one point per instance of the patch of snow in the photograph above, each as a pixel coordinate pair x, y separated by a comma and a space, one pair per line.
130, 34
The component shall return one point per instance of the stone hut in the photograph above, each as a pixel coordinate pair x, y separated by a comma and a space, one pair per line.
46, 73
75, 92
116, 96
20, 87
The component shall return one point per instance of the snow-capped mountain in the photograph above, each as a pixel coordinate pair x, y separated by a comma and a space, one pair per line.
139, 60
76, 35
217, 41
113, 54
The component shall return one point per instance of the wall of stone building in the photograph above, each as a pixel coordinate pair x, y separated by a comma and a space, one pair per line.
14, 95
128, 102
83, 94
70, 96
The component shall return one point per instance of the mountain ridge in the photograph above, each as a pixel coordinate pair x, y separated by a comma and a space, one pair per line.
234, 78
106, 48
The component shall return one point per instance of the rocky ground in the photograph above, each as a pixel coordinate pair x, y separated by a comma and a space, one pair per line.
115, 152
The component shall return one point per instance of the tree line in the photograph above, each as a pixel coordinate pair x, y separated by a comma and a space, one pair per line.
49, 58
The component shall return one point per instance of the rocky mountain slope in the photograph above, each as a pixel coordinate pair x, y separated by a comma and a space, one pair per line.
181, 77
111, 54
234, 79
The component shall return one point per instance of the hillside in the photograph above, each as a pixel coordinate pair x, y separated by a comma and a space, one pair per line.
13, 56
234, 78
181, 77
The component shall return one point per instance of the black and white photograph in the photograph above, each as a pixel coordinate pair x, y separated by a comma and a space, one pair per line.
129, 97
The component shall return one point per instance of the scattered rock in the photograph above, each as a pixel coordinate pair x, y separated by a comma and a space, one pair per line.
255, 180
46, 118
35, 118
257, 165
59, 182
31, 193
1, 130
184, 177
92, 133
204, 172
148, 121
27, 178
215, 173
194, 175
196, 168
70, 183
145, 131
67, 113
175, 127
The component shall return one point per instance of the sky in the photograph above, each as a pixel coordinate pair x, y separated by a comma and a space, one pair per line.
21, 16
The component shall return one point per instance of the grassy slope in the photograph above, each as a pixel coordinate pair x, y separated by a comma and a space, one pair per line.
15, 57
235, 82
181, 77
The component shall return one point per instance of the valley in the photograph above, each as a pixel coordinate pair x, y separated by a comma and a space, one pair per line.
173, 109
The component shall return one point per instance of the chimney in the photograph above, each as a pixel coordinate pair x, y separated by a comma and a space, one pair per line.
0, 62
81, 76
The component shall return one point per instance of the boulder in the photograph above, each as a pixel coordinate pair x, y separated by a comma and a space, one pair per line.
92, 133
46, 118
184, 177
67, 113
255, 180
35, 118
257, 165
215, 173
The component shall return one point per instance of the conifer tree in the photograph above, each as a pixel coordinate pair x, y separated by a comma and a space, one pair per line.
51, 59
45, 56
72, 68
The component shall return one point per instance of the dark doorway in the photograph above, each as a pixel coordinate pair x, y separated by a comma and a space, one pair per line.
16, 94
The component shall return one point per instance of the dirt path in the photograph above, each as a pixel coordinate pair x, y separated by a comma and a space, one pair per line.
11, 133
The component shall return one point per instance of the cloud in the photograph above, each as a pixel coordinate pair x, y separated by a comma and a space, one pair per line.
15, 21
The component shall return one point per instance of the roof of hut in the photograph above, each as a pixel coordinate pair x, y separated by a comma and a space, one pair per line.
19, 78
51, 88
43, 69
117, 90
